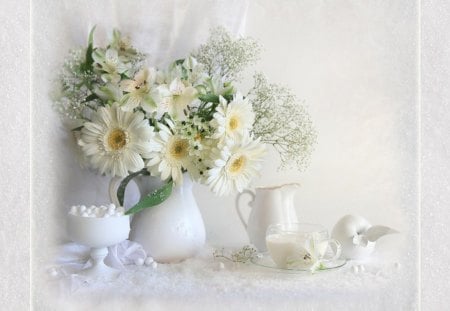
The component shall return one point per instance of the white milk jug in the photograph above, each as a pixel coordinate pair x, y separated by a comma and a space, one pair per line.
269, 205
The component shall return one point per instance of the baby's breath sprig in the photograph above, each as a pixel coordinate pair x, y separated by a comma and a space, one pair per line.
225, 56
294, 138
242, 255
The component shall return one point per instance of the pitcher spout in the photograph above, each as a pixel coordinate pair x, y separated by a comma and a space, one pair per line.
289, 190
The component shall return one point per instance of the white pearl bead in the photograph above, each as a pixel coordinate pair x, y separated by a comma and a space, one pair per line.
148, 261
139, 261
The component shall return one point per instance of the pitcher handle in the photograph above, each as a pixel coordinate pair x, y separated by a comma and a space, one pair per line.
238, 209
113, 186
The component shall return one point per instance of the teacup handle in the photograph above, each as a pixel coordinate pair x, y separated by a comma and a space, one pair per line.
238, 209
338, 251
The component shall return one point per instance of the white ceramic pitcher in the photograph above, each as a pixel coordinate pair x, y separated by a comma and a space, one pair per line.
269, 205
171, 231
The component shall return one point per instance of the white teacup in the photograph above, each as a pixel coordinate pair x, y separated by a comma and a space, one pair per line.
299, 245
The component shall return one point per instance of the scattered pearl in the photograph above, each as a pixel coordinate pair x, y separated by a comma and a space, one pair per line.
154, 265
139, 261
53, 273
362, 268
148, 261
73, 210
355, 269
84, 214
221, 265
112, 206
82, 208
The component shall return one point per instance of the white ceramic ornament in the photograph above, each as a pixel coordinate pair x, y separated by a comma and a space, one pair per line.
357, 236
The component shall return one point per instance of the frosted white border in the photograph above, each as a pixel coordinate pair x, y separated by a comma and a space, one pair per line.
435, 147
15, 156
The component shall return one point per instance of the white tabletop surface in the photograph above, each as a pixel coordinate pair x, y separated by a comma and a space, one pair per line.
208, 283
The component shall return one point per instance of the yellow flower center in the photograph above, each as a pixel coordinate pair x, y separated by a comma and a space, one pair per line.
117, 139
179, 149
237, 165
234, 123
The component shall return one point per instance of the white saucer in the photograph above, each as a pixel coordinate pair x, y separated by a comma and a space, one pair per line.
264, 260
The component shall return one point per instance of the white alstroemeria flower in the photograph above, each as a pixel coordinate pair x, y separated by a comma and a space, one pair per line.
115, 141
217, 85
308, 256
169, 156
233, 120
123, 45
176, 98
109, 92
196, 72
109, 64
234, 165
140, 91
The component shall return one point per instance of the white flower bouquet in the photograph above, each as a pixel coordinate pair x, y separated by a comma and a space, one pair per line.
129, 118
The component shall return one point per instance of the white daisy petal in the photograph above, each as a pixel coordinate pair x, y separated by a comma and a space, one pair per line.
234, 168
115, 141
169, 154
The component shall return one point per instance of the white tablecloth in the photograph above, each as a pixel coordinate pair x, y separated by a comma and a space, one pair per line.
203, 283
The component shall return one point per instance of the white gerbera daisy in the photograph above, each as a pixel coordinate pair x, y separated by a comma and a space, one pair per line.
235, 165
116, 141
169, 156
233, 120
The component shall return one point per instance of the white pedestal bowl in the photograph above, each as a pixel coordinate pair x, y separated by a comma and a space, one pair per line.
98, 233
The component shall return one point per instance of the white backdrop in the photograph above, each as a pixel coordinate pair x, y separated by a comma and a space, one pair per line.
354, 64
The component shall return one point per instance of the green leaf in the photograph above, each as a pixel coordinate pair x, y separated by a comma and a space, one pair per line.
212, 98
228, 97
77, 128
90, 97
156, 197
209, 98
87, 65
91, 36
179, 61
124, 183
